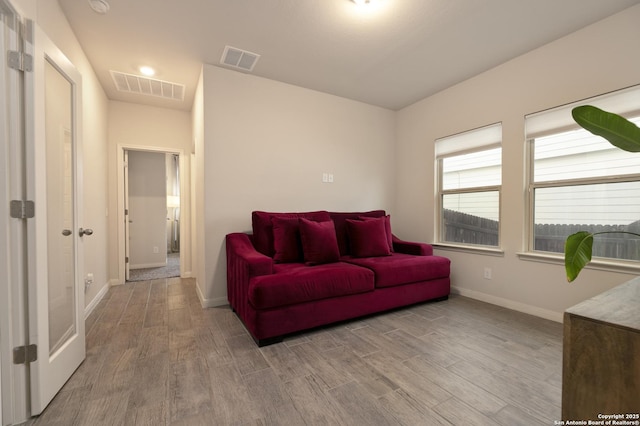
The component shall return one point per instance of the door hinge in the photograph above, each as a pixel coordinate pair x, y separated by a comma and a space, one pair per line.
25, 354
126, 212
22, 209
20, 61
126, 260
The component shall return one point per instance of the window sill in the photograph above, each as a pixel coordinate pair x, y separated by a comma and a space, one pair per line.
625, 267
487, 251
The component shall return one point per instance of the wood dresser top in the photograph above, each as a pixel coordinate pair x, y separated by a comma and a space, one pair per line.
619, 306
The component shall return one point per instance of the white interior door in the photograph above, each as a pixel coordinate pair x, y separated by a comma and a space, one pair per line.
54, 155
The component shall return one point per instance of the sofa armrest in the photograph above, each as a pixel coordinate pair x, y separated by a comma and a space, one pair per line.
240, 248
408, 247
243, 263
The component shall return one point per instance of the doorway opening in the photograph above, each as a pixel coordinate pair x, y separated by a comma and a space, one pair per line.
152, 215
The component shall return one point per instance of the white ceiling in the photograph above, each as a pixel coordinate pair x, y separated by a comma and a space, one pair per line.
390, 54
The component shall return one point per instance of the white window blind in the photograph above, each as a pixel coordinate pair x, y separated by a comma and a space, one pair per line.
472, 140
625, 102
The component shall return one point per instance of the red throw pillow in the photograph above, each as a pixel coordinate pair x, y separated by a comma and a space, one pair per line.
286, 240
263, 228
387, 227
368, 238
319, 242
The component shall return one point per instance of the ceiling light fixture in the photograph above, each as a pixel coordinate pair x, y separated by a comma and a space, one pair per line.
99, 6
148, 71
358, 2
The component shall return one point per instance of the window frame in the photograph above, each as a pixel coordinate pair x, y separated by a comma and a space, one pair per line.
609, 102
441, 192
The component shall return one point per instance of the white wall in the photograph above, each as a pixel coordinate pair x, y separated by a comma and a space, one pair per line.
594, 60
147, 127
147, 209
265, 147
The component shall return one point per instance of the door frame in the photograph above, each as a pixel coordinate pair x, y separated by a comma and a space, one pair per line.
14, 386
121, 148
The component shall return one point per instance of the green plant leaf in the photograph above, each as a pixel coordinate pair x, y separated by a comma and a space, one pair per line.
577, 253
619, 131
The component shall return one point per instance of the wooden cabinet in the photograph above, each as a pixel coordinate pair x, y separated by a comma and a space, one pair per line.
601, 355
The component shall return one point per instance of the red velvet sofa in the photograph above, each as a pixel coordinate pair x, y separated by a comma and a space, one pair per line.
302, 270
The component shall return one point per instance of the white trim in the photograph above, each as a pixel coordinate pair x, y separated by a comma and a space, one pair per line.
631, 267
210, 303
509, 304
13, 250
184, 236
468, 248
97, 299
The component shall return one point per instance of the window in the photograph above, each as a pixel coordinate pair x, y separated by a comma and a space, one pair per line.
469, 181
580, 182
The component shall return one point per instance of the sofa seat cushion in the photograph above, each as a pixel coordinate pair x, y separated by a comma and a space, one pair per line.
293, 283
400, 268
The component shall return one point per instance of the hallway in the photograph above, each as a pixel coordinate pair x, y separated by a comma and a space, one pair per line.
172, 270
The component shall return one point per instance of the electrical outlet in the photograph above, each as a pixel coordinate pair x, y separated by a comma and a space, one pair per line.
488, 274
330, 177
325, 177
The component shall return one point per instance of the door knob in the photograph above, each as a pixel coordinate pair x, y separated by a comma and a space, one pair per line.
66, 232
83, 232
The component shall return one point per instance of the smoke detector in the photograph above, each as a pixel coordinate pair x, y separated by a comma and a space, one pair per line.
99, 6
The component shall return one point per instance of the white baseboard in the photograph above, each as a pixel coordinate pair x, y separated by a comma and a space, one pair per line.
115, 281
210, 303
92, 305
509, 304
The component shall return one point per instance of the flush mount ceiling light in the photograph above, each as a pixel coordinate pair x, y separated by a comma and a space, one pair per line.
99, 6
360, 1
148, 71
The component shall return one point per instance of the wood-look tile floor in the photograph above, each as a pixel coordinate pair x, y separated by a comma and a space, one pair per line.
155, 357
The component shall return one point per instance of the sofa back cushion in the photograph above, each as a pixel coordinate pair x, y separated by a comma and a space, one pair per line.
319, 243
340, 218
387, 228
368, 238
286, 240
263, 227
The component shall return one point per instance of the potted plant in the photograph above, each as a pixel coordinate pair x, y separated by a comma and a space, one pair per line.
621, 133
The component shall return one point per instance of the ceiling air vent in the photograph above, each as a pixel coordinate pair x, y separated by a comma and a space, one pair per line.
239, 59
147, 86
